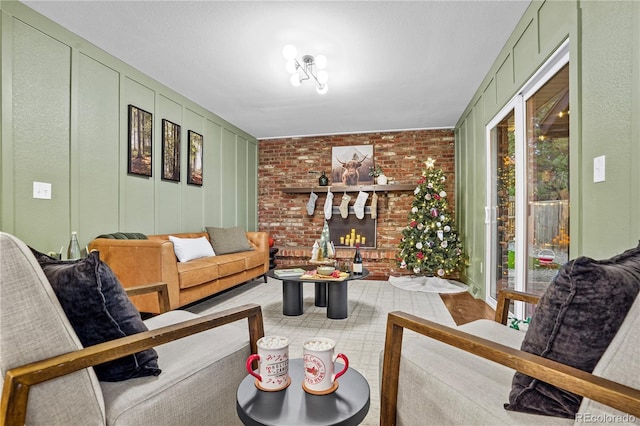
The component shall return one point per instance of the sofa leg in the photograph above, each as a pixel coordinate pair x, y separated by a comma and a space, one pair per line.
265, 277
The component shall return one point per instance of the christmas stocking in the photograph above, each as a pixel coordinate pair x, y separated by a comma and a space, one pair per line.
344, 206
359, 205
328, 204
374, 206
311, 204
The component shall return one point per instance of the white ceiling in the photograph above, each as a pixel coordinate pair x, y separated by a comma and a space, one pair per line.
393, 65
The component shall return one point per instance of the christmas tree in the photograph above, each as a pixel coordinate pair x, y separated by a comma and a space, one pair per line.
430, 244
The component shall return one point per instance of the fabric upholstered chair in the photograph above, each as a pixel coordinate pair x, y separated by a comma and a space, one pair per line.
465, 374
47, 377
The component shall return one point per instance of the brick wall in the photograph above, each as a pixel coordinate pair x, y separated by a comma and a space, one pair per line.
287, 163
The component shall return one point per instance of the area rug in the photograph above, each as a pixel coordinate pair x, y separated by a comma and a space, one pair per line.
427, 284
360, 336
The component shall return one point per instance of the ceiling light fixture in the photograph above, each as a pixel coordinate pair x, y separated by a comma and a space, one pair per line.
309, 68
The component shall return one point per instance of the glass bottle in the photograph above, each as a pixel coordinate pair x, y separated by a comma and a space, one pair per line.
73, 252
323, 180
357, 261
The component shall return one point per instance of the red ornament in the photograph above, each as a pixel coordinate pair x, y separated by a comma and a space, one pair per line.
420, 255
413, 223
271, 242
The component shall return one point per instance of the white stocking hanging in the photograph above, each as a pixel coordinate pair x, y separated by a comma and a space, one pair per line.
344, 206
358, 207
328, 204
311, 204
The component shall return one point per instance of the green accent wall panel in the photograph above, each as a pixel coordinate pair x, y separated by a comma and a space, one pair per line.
213, 201
40, 122
241, 179
193, 206
137, 191
607, 126
229, 184
526, 53
96, 157
252, 185
504, 81
169, 193
489, 102
555, 21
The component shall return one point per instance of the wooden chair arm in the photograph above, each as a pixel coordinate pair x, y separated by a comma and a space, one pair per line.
504, 300
17, 383
571, 379
161, 288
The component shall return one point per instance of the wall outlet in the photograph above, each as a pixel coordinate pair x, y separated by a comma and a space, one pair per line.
598, 169
42, 190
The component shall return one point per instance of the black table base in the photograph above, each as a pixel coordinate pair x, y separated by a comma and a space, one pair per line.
330, 294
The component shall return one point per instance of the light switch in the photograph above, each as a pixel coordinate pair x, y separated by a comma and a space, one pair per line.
598, 169
42, 190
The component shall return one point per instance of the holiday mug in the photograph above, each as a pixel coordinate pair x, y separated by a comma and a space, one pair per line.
273, 363
319, 368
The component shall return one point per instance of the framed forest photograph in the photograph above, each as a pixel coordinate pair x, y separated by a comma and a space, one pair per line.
170, 151
140, 141
194, 165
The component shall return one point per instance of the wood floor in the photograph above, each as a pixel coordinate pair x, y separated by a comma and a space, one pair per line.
465, 308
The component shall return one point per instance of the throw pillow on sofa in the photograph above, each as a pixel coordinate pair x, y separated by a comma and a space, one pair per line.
187, 249
99, 310
228, 240
574, 322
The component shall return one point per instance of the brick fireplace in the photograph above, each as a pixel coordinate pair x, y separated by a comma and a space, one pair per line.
293, 163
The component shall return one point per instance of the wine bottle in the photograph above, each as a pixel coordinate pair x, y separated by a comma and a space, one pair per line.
357, 261
323, 180
73, 252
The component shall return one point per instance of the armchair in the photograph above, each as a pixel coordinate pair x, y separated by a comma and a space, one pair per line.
449, 378
47, 374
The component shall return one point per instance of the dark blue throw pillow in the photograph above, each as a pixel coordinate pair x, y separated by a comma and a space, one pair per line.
574, 323
99, 310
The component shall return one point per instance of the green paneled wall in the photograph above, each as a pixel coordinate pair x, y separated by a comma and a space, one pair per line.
65, 122
96, 109
605, 92
40, 113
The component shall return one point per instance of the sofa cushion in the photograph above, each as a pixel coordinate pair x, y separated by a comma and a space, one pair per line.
443, 385
254, 259
228, 240
198, 271
574, 322
196, 387
187, 249
99, 310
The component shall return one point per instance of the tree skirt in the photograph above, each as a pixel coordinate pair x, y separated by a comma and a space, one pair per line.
427, 284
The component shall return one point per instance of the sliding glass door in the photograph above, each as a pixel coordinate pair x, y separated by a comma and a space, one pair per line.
528, 184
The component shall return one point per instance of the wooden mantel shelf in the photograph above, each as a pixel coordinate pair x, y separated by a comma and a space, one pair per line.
355, 188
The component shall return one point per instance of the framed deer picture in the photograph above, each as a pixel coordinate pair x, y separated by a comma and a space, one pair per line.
350, 165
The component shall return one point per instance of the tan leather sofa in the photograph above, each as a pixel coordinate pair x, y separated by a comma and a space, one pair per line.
137, 262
